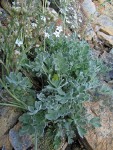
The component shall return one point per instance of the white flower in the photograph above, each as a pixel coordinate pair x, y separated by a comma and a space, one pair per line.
34, 25
62, 11
37, 45
17, 23
79, 35
15, 3
48, 3
80, 20
59, 29
57, 34
43, 18
47, 35
19, 42
67, 21
17, 52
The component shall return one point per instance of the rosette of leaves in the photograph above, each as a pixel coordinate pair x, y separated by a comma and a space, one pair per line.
69, 70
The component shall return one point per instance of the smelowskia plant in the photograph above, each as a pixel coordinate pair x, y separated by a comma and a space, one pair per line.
68, 71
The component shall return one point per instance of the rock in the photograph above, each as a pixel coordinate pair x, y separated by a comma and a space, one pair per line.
107, 58
89, 33
8, 118
107, 38
101, 138
101, 1
89, 8
4, 142
3, 14
108, 10
19, 143
105, 8
106, 24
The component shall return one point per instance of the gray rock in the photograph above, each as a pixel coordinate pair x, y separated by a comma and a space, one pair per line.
105, 23
89, 8
89, 33
108, 38
101, 138
19, 143
8, 118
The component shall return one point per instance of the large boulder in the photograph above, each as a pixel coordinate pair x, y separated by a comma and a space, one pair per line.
101, 138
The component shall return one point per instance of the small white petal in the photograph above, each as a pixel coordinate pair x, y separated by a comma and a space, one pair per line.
34, 25
19, 42
57, 34
47, 35
43, 18
80, 20
48, 3
37, 45
59, 29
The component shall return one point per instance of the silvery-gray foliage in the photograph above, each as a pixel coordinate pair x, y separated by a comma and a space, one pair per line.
70, 71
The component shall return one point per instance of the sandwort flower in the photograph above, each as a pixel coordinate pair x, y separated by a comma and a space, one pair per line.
47, 35
43, 18
57, 34
59, 29
19, 42
15, 3
34, 25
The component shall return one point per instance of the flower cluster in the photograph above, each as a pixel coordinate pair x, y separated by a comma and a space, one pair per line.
57, 32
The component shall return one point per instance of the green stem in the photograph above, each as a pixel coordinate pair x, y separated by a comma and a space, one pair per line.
11, 105
36, 140
4, 65
13, 96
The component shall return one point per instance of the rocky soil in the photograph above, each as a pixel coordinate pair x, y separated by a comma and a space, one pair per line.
93, 21
100, 36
